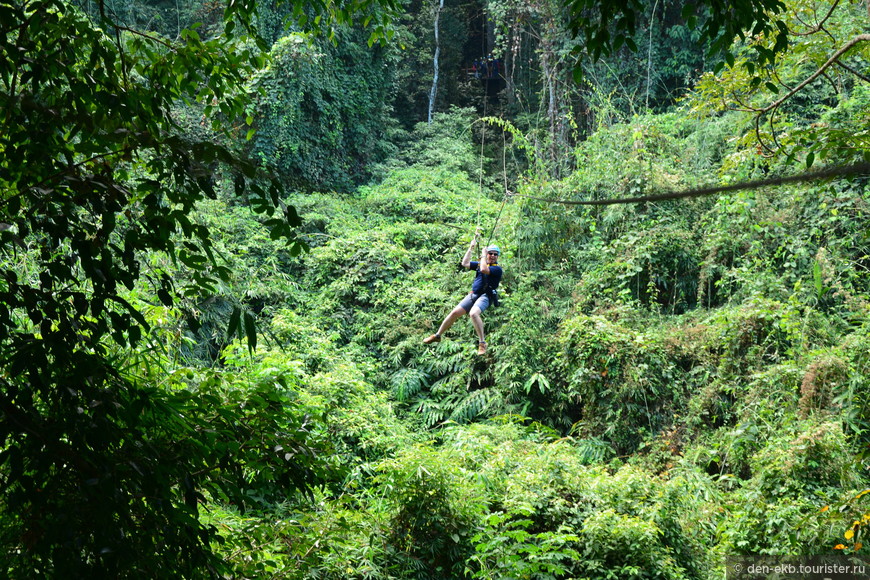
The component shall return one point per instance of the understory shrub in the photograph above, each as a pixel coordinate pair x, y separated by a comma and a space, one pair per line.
806, 457
620, 383
434, 507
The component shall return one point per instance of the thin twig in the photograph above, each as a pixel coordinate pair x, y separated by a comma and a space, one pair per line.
760, 139
864, 78
135, 32
818, 27
62, 172
773, 132
834, 58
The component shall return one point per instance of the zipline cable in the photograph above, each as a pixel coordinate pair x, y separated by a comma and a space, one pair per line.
480, 171
506, 192
483, 134
496, 220
839, 171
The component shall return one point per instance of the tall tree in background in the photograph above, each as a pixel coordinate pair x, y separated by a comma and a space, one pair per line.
532, 41
434, 91
542, 58
322, 111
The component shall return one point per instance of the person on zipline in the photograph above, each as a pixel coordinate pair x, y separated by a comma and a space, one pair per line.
481, 296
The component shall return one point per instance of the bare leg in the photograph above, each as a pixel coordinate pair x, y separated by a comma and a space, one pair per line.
477, 321
454, 315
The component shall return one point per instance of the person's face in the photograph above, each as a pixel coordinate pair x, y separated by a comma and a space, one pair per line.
491, 257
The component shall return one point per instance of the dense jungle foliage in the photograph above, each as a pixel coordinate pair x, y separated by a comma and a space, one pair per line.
226, 229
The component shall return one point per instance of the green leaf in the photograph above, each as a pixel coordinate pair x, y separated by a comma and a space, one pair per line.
234, 325
164, 296
251, 330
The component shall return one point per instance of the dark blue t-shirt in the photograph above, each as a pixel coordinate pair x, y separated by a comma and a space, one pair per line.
481, 280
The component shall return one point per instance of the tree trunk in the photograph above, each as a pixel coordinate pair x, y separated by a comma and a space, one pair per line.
510, 61
649, 53
552, 104
434, 91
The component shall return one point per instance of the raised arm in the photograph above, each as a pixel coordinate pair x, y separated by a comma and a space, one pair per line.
466, 260
484, 263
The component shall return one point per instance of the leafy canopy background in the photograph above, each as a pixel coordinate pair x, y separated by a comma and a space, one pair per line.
192, 388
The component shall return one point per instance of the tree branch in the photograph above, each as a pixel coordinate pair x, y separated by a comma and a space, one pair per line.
840, 171
864, 78
819, 27
155, 39
65, 171
834, 59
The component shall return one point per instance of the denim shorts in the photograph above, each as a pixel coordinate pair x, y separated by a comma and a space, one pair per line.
471, 300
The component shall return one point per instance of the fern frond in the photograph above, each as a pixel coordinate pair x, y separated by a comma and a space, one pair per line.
471, 405
432, 411
407, 382
593, 451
